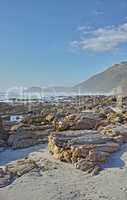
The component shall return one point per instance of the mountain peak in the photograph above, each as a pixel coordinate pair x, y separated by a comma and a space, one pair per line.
120, 65
107, 81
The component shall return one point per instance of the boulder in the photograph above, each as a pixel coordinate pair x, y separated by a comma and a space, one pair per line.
20, 167
86, 149
78, 122
29, 136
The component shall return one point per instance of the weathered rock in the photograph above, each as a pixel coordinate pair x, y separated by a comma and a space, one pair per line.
16, 127
28, 136
34, 120
78, 122
115, 118
117, 132
50, 117
1, 123
3, 135
87, 166
85, 149
6, 177
100, 125
20, 167
3, 143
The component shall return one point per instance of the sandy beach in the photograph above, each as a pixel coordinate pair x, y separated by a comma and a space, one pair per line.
67, 183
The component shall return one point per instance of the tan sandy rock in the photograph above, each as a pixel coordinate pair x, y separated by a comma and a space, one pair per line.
29, 136
86, 149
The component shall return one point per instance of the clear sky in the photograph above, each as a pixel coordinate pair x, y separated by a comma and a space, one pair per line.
59, 42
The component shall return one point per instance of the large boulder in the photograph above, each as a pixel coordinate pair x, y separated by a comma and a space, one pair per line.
29, 136
78, 121
86, 149
20, 167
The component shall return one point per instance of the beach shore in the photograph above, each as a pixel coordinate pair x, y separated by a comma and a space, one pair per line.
67, 183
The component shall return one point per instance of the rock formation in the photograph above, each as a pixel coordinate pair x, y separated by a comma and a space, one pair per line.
78, 122
3, 135
85, 149
28, 136
18, 168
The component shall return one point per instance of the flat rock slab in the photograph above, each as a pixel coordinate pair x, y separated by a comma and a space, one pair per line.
26, 137
85, 149
32, 163
79, 138
78, 122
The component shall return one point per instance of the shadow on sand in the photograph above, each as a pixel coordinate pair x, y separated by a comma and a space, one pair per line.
10, 155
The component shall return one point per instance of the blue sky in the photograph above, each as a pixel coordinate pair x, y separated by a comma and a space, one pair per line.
59, 42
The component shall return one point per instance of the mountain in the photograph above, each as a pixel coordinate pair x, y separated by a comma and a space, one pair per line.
111, 80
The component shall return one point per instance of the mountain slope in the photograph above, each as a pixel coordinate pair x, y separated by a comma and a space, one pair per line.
108, 81
114, 79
